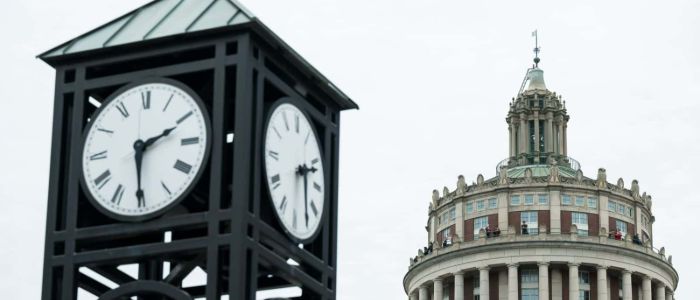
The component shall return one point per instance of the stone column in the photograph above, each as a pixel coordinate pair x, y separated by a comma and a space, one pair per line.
459, 285
537, 136
437, 289
459, 221
544, 280
560, 138
660, 291
548, 144
573, 281
646, 288
484, 283
512, 282
413, 296
502, 285
626, 285
423, 293
565, 142
523, 135
511, 140
669, 296
602, 283
557, 285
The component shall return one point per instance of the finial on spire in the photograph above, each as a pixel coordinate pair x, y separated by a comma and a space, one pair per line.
537, 49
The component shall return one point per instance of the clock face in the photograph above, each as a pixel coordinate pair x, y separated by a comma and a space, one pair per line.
294, 171
144, 149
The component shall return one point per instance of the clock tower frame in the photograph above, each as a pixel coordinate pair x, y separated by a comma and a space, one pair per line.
226, 226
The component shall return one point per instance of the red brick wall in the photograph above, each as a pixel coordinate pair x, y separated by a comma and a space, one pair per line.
565, 283
493, 286
468, 230
514, 221
635, 292
565, 222
543, 218
593, 276
469, 288
493, 220
593, 225
614, 288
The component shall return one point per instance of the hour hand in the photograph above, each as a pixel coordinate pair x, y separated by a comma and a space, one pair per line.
152, 140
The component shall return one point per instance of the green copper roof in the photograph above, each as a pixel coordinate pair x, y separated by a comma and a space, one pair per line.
158, 19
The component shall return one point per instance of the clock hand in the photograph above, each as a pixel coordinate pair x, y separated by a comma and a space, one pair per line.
303, 170
139, 147
152, 140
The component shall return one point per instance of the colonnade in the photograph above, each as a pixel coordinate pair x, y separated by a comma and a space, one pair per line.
649, 285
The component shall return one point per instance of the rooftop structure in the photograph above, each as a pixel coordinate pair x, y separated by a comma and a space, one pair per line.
540, 229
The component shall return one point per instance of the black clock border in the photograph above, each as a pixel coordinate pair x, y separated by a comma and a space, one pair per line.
184, 194
291, 100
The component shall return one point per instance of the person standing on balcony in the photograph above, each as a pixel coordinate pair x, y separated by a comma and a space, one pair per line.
524, 228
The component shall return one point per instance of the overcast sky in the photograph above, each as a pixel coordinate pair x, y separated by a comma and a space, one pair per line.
433, 80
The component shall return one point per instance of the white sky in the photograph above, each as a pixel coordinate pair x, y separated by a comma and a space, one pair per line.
433, 80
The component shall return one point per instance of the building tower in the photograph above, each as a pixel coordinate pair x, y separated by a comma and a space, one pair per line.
540, 229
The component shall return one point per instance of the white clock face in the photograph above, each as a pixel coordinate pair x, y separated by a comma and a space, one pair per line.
294, 171
144, 150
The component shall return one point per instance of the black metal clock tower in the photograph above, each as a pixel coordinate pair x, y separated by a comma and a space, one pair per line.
225, 225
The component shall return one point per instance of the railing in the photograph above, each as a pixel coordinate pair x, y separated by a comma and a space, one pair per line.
542, 159
510, 237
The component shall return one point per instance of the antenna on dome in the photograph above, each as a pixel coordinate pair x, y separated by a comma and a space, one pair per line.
537, 49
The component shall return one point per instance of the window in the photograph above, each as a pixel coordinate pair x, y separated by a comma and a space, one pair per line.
453, 213
529, 285
592, 202
630, 212
620, 209
621, 226
530, 294
530, 218
480, 205
529, 200
515, 200
543, 199
480, 223
477, 287
566, 200
581, 222
446, 292
493, 203
470, 207
447, 235
584, 281
580, 201
612, 206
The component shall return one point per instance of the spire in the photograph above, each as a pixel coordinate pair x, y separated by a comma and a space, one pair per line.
535, 75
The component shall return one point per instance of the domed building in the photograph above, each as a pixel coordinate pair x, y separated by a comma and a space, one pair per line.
540, 229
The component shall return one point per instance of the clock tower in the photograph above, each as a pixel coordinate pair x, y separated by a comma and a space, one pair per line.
194, 156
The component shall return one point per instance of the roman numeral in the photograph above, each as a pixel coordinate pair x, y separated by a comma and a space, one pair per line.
277, 132
314, 209
146, 99
101, 180
286, 123
105, 130
101, 155
296, 122
283, 205
165, 187
274, 155
118, 193
306, 140
294, 219
276, 181
317, 187
182, 166
183, 118
189, 141
122, 109
314, 161
168, 103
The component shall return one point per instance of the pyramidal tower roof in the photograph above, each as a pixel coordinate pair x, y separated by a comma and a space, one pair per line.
157, 19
